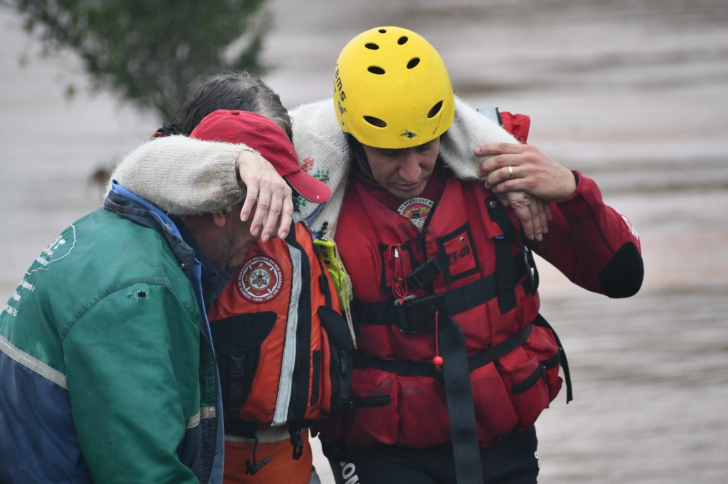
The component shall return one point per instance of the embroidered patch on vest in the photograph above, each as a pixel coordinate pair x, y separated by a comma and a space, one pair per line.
260, 280
416, 210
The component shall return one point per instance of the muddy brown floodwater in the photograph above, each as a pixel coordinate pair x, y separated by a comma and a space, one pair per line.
632, 93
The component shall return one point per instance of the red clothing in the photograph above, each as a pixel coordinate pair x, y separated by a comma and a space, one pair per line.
588, 241
280, 468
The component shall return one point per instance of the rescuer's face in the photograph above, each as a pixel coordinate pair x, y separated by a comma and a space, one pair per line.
403, 172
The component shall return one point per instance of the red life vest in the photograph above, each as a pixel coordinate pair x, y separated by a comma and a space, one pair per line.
283, 349
469, 253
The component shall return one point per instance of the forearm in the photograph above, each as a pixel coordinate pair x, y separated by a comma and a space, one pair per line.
593, 245
183, 176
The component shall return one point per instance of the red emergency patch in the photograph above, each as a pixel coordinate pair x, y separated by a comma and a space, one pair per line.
462, 259
260, 279
416, 210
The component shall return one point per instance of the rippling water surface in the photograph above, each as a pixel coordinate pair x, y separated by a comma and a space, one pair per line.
632, 93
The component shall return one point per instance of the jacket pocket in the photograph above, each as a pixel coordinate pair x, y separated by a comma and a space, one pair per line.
374, 416
542, 345
495, 414
524, 377
237, 341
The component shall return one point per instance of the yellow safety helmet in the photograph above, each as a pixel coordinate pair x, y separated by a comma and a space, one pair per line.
392, 90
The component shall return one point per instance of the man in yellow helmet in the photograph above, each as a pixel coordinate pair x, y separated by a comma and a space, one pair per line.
455, 363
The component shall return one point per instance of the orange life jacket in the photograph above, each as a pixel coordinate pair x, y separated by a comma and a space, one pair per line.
283, 349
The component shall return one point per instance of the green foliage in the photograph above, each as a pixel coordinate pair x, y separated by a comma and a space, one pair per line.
149, 51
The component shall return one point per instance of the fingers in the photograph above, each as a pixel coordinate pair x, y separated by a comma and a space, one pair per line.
520, 203
505, 178
525, 168
249, 167
539, 209
533, 213
251, 197
540, 214
286, 216
499, 155
261, 211
488, 149
267, 193
275, 206
272, 218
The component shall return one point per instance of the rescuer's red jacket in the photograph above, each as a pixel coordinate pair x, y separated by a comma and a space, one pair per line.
485, 271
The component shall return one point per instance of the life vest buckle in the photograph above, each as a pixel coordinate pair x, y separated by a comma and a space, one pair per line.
426, 272
418, 315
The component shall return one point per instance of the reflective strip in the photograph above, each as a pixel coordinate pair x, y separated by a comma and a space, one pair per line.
33, 364
194, 421
289, 348
204, 413
238, 439
208, 412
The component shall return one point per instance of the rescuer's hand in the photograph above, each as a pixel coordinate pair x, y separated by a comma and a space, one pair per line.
268, 192
512, 167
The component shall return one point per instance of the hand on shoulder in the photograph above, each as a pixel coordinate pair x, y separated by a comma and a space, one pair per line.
512, 167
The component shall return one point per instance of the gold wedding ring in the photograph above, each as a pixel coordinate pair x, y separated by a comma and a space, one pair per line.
510, 172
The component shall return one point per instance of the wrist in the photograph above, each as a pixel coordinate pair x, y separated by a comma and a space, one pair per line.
240, 159
573, 187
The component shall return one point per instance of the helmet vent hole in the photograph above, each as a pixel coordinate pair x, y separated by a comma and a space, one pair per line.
382, 31
413, 63
375, 70
402, 40
435, 109
375, 121
372, 46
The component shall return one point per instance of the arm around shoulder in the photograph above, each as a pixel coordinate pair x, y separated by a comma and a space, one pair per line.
181, 175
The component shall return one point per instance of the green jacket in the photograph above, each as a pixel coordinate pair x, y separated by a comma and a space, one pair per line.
105, 374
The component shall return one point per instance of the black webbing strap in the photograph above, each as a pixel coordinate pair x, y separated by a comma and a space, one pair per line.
483, 357
532, 270
505, 269
425, 368
460, 407
456, 370
457, 300
540, 321
476, 360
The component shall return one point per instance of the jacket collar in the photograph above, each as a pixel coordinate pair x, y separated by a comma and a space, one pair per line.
130, 206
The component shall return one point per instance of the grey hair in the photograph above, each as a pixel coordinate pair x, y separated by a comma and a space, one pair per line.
234, 91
